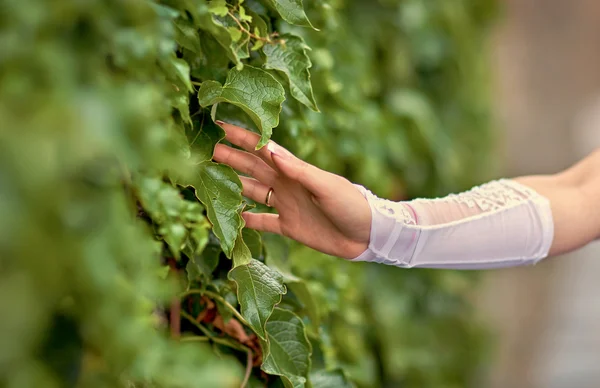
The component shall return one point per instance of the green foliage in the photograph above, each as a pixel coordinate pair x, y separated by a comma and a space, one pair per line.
125, 261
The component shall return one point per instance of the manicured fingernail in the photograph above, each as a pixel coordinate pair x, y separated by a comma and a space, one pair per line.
278, 150
219, 122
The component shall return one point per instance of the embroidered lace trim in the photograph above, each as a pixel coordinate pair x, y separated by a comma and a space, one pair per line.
490, 197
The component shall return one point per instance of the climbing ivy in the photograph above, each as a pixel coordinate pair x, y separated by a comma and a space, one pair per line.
125, 261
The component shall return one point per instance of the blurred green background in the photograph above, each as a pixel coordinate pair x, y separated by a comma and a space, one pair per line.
112, 273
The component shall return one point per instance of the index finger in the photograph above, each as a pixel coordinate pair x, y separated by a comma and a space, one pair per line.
246, 140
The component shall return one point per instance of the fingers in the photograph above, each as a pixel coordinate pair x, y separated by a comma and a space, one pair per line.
256, 191
245, 163
264, 222
320, 183
245, 139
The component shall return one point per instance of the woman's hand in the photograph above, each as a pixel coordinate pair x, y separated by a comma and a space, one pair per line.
319, 209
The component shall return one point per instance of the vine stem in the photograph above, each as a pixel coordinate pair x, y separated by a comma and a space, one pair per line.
195, 338
210, 336
248, 369
218, 297
244, 29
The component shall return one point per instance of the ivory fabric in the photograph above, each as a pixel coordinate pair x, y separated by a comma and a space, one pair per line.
499, 224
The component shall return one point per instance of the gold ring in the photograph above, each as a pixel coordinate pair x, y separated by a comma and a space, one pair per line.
269, 197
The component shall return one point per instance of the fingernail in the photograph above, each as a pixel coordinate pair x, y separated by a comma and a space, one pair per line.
278, 150
219, 122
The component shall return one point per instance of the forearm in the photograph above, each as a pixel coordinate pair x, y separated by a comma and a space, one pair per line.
574, 196
499, 224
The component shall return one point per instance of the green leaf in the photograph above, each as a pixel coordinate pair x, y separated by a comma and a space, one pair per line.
330, 379
277, 250
224, 288
253, 90
241, 254
288, 348
181, 103
203, 137
291, 59
235, 33
259, 289
253, 240
182, 72
218, 7
187, 35
163, 271
292, 11
218, 29
244, 16
219, 188
174, 235
203, 264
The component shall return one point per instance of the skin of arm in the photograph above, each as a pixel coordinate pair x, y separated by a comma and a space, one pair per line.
328, 213
574, 196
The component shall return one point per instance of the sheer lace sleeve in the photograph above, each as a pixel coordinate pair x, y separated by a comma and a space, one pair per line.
499, 224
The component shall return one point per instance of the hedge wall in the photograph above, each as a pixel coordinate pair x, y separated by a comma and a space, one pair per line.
124, 258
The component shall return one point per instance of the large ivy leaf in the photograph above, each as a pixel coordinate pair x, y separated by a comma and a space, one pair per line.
330, 379
259, 289
291, 59
292, 11
220, 190
288, 350
253, 90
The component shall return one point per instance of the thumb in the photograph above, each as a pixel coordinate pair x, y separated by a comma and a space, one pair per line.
320, 183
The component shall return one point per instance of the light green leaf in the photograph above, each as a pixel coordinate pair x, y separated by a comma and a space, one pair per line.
182, 71
217, 27
241, 254
292, 11
174, 235
236, 33
181, 103
163, 271
255, 91
218, 7
243, 16
288, 348
330, 379
219, 188
291, 59
259, 289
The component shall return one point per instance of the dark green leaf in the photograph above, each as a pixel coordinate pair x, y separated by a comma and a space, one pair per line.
187, 35
288, 347
220, 190
203, 137
252, 89
289, 57
203, 264
253, 240
292, 11
259, 289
